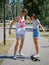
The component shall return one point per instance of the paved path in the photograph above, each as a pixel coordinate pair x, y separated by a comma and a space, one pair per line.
28, 50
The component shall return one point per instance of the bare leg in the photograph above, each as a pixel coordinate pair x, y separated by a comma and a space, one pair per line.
37, 46
21, 45
16, 46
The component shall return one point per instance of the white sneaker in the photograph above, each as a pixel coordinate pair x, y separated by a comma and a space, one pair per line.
14, 57
21, 54
36, 56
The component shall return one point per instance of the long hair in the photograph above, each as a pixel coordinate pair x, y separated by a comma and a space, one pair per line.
35, 16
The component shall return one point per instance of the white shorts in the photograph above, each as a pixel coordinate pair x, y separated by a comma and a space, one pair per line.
20, 33
18, 36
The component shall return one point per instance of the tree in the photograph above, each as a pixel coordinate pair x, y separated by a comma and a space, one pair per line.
39, 7
44, 14
33, 6
1, 7
16, 7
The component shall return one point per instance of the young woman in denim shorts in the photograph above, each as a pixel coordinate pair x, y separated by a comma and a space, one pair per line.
36, 34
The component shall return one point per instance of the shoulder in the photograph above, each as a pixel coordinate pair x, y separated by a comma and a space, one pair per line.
38, 21
17, 17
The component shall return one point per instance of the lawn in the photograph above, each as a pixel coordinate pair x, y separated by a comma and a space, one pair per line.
12, 35
1, 25
45, 34
1, 61
5, 48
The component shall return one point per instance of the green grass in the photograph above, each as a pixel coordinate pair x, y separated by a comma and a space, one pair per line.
28, 24
1, 61
1, 25
5, 48
45, 35
12, 36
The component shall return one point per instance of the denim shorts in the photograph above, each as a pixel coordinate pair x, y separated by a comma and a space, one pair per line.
36, 33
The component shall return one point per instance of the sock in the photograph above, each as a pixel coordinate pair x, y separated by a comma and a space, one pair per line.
36, 56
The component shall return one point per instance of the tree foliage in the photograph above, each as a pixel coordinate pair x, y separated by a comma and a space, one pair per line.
1, 7
33, 5
39, 7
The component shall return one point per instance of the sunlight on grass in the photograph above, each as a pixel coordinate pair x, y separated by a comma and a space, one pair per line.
1, 61
5, 48
45, 35
1, 25
12, 36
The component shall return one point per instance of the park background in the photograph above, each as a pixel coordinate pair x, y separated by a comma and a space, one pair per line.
9, 9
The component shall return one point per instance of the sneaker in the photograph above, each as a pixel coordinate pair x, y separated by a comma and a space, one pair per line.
14, 57
36, 56
21, 54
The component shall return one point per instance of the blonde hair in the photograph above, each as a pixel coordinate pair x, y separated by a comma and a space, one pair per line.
24, 11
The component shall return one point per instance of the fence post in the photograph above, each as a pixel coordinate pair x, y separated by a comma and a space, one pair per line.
4, 24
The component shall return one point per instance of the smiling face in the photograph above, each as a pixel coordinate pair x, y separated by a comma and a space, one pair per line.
32, 18
24, 12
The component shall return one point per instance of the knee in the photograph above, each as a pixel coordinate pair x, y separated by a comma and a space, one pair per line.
22, 41
17, 43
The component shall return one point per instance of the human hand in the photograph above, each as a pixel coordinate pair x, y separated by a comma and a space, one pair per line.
9, 32
44, 30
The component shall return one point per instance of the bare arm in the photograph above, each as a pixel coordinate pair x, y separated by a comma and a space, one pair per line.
15, 20
42, 27
28, 20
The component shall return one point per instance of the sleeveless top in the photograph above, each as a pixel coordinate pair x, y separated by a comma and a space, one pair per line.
21, 22
20, 26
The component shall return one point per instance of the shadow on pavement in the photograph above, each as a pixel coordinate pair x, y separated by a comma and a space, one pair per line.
6, 57
44, 46
17, 57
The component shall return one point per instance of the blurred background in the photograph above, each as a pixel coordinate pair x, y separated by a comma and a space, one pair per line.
14, 7
9, 9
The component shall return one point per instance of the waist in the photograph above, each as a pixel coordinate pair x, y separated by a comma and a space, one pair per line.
35, 26
35, 29
22, 26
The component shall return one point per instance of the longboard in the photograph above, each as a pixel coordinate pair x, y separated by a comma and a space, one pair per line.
18, 57
22, 58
